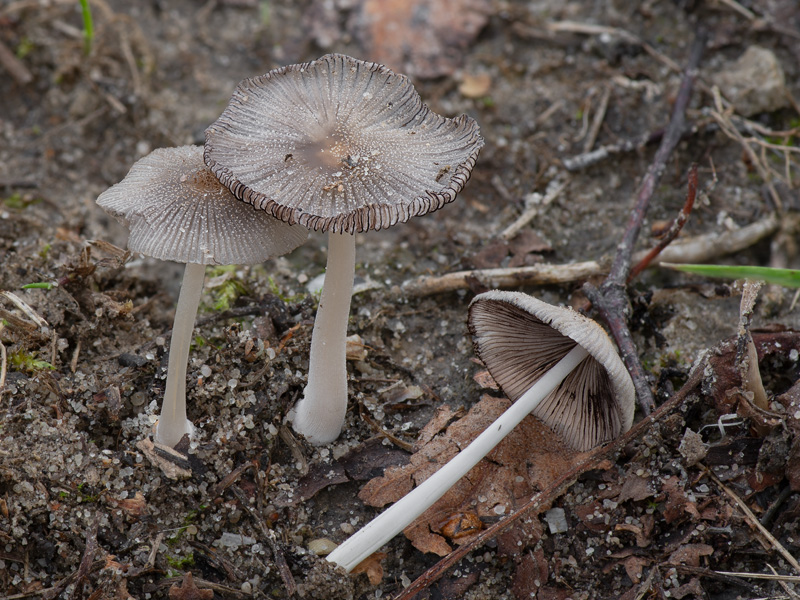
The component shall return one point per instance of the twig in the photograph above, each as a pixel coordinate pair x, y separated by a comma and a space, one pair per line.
587, 159
14, 66
502, 278
84, 568
531, 211
29, 312
269, 536
3, 366
674, 228
598, 119
724, 122
554, 490
754, 522
690, 250
611, 299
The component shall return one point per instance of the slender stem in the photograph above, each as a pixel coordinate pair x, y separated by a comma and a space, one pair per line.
403, 512
320, 414
173, 424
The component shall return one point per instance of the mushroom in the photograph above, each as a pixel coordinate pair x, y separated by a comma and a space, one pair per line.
177, 210
550, 361
341, 146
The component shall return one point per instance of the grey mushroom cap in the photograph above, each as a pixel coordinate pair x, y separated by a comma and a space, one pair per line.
519, 338
339, 144
178, 210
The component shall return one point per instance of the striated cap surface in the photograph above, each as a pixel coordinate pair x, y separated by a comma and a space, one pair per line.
178, 210
339, 144
519, 338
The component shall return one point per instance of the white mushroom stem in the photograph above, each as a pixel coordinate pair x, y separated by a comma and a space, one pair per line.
403, 512
320, 414
173, 424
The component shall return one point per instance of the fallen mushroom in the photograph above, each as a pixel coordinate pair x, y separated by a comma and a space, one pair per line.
551, 362
342, 146
177, 210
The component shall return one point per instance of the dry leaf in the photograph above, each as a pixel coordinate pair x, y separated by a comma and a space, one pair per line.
530, 575
485, 380
475, 86
371, 566
677, 504
635, 488
422, 38
633, 567
189, 591
690, 554
494, 487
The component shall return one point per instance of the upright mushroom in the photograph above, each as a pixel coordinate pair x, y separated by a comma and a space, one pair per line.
343, 146
550, 361
177, 210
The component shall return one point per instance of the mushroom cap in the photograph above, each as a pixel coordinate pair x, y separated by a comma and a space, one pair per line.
519, 338
339, 144
178, 210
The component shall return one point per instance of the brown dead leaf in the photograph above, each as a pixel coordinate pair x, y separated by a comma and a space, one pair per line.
189, 591
475, 86
494, 487
133, 507
372, 567
633, 567
642, 540
689, 554
677, 504
485, 380
422, 38
692, 589
366, 461
635, 488
530, 575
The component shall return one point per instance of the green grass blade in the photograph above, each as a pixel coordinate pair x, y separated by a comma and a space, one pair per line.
784, 277
88, 26
40, 285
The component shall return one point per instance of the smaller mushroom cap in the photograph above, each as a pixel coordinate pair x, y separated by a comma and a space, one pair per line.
178, 210
339, 144
520, 338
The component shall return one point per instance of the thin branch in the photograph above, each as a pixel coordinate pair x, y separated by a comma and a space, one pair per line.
674, 228
611, 299
531, 211
699, 249
755, 523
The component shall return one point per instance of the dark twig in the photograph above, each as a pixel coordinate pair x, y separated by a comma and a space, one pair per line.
87, 565
268, 536
546, 497
611, 299
674, 228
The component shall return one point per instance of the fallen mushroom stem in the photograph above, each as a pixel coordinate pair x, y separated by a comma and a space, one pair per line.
403, 512
320, 414
173, 424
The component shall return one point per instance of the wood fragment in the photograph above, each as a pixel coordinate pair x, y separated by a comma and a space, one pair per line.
531, 211
698, 249
598, 119
15, 67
